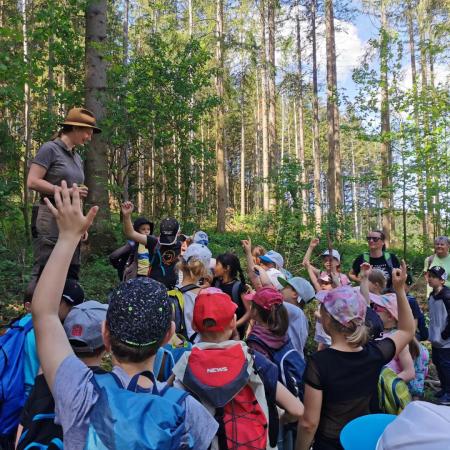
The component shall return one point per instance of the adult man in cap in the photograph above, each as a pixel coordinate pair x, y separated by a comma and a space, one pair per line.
55, 161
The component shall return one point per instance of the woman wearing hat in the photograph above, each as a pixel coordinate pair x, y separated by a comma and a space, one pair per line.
55, 161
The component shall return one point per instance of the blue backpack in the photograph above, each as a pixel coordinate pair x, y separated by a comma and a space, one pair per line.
12, 380
133, 418
290, 363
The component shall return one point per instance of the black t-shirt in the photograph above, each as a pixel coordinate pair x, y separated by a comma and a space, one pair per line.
163, 259
348, 381
380, 264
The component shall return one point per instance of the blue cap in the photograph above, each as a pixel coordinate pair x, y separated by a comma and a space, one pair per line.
201, 238
364, 432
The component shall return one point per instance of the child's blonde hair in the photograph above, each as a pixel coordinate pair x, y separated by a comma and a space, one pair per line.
193, 268
356, 334
376, 276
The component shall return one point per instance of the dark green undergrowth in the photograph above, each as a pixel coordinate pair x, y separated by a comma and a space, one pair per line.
98, 277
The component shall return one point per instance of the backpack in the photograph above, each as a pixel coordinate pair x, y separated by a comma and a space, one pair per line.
234, 291
387, 256
167, 356
177, 301
393, 392
125, 418
290, 363
226, 380
12, 379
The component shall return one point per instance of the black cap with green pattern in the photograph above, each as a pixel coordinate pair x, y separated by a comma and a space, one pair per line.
139, 312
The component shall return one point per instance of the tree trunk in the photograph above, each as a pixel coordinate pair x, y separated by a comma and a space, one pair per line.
96, 163
316, 132
354, 194
334, 159
220, 123
417, 146
386, 151
242, 149
26, 116
273, 145
264, 110
300, 129
126, 149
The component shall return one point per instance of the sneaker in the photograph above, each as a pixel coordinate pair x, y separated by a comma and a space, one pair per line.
439, 393
445, 399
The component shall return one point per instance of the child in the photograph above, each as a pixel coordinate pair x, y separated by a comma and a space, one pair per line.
332, 275
163, 252
72, 296
335, 397
193, 266
297, 292
257, 252
269, 336
386, 307
273, 263
130, 260
421, 359
83, 326
226, 272
138, 322
222, 374
24, 357
439, 329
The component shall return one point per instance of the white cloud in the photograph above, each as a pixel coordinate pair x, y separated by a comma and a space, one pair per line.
349, 47
441, 75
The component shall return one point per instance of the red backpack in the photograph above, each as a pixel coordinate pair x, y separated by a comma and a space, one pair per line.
220, 377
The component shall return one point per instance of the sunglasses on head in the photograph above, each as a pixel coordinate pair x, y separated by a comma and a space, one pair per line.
373, 238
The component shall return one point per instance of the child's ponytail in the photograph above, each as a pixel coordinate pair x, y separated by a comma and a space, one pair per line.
359, 334
276, 319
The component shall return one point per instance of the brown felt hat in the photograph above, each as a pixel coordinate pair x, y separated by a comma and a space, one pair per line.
81, 117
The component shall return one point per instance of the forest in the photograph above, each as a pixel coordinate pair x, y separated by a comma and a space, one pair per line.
264, 117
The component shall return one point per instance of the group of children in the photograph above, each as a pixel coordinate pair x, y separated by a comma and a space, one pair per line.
201, 359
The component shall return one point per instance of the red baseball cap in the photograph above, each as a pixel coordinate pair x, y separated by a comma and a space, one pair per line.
216, 305
267, 297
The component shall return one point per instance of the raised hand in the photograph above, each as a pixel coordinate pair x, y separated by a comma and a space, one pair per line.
127, 208
365, 270
68, 214
399, 277
314, 242
247, 245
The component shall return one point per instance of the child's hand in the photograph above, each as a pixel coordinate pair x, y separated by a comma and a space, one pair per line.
399, 277
247, 245
127, 208
314, 242
365, 270
69, 217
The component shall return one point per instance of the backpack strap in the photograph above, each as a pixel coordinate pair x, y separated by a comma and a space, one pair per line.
430, 260
388, 258
235, 291
188, 287
173, 394
268, 372
261, 343
221, 433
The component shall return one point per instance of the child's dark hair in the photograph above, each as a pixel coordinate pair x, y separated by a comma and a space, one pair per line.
414, 348
231, 261
125, 353
276, 318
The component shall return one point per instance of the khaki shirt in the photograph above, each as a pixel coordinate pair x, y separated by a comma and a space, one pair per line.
61, 163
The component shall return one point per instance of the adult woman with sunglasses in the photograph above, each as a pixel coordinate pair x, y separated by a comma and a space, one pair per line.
378, 257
